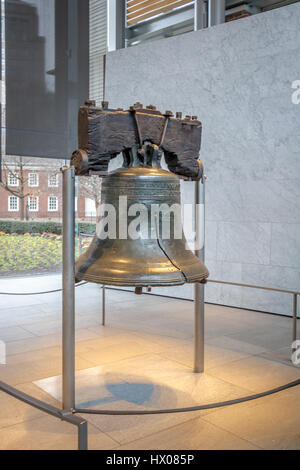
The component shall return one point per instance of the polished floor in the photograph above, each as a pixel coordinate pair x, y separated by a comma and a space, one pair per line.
143, 359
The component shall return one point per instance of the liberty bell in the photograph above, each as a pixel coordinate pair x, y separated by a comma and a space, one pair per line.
139, 239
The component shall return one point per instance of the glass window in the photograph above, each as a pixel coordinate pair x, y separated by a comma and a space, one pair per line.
158, 19
13, 179
33, 203
33, 180
13, 204
41, 111
30, 241
52, 203
38, 120
53, 181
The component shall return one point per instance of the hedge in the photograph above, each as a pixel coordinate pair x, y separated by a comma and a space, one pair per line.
21, 227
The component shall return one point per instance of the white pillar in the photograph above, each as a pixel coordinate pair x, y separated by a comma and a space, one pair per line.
200, 14
116, 10
216, 12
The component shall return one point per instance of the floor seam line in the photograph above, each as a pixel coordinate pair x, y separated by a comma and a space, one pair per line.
232, 433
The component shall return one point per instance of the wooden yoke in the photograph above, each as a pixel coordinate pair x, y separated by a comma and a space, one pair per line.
104, 133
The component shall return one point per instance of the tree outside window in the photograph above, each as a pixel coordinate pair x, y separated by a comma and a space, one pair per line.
90, 187
15, 180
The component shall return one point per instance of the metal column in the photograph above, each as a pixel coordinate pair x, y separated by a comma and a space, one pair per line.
206, 13
200, 14
68, 330
216, 12
83, 435
198, 287
103, 305
116, 17
294, 322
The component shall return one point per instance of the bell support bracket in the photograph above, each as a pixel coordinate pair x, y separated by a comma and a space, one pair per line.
103, 133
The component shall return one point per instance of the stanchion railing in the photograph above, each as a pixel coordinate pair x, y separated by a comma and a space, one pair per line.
68, 417
272, 289
294, 294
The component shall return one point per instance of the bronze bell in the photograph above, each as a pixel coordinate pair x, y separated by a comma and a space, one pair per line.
149, 260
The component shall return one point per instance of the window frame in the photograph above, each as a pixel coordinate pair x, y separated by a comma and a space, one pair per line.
37, 203
14, 175
9, 204
37, 179
49, 204
56, 181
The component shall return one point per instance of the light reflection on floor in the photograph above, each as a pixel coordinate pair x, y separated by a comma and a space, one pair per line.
143, 359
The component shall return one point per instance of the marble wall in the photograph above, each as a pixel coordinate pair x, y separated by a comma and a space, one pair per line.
237, 78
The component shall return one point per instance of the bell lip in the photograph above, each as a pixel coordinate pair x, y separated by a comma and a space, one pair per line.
132, 283
140, 283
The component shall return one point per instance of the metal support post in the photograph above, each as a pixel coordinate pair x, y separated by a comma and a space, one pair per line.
294, 322
199, 288
103, 305
68, 330
216, 12
200, 14
83, 435
116, 17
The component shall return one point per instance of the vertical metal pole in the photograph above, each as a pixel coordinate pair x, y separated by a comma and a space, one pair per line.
3, 86
200, 15
116, 21
199, 288
68, 331
83, 436
294, 321
216, 12
103, 305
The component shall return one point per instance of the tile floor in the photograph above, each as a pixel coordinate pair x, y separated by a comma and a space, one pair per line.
143, 359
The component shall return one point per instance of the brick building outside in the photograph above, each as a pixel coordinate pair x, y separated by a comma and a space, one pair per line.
31, 189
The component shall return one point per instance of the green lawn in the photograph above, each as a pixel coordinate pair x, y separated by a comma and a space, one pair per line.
29, 253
